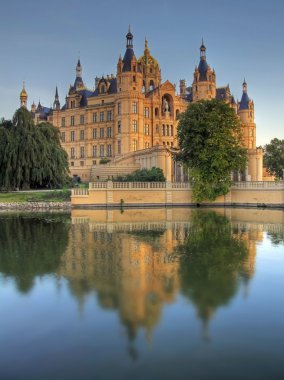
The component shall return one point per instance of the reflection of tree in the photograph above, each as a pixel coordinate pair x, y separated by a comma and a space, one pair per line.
211, 259
276, 237
31, 246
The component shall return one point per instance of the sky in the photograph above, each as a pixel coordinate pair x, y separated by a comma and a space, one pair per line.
41, 41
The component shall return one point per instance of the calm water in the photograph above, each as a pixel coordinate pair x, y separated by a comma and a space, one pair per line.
143, 294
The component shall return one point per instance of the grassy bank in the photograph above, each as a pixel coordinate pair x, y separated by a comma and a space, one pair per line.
36, 196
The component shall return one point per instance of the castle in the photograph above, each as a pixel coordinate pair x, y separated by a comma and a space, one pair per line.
129, 120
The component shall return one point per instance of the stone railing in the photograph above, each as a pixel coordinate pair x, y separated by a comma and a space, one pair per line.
258, 185
80, 192
137, 185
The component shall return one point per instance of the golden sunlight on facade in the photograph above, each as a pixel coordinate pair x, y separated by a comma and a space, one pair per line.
129, 120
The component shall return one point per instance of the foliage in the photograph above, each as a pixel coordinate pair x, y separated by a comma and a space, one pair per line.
31, 156
144, 175
211, 259
274, 157
32, 246
36, 196
104, 161
210, 140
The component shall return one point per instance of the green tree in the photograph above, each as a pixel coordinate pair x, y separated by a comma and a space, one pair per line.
210, 141
274, 157
144, 175
31, 156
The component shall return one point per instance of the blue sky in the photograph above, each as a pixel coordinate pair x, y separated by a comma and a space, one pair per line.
41, 41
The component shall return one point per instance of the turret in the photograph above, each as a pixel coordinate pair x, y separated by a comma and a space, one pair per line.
246, 107
56, 103
79, 84
129, 101
204, 79
182, 88
150, 69
128, 69
23, 97
33, 107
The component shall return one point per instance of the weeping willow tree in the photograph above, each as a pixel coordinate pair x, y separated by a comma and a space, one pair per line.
31, 155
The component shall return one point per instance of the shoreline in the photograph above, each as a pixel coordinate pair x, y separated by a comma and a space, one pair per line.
44, 206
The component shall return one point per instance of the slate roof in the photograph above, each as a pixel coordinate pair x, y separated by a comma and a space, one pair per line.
43, 112
111, 90
222, 93
244, 104
202, 68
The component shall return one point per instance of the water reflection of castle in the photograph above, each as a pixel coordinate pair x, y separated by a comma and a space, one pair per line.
130, 261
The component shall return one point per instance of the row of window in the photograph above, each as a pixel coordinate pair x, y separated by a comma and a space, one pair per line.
95, 134
106, 150
100, 151
82, 118
100, 116
167, 130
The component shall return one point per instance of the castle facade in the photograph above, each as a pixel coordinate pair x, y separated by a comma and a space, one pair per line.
129, 120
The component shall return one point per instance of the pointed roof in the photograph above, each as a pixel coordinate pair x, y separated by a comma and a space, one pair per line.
203, 65
129, 53
78, 81
244, 103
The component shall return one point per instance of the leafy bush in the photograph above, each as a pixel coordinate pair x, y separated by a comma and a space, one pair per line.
144, 175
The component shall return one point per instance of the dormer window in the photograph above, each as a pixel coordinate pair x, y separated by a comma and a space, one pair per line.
102, 89
134, 67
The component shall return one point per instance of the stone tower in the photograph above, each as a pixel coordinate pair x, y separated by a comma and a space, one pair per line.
129, 102
204, 79
245, 111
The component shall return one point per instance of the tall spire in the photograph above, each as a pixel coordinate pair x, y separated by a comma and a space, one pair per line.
79, 81
79, 69
202, 50
56, 103
245, 87
129, 39
146, 50
129, 53
203, 66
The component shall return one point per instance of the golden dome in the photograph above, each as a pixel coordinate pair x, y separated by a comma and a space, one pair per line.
23, 93
147, 58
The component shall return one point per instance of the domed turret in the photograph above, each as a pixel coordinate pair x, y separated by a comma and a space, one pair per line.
150, 69
23, 97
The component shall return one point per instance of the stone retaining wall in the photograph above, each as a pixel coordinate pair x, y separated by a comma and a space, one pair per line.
160, 194
35, 205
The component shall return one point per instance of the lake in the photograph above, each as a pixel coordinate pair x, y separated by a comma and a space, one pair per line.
142, 294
